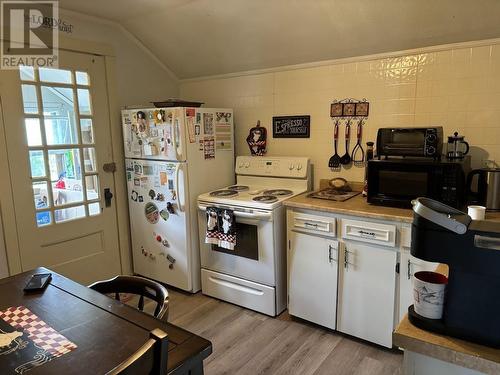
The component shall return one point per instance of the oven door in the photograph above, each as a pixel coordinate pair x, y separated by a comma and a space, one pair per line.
397, 184
401, 142
253, 257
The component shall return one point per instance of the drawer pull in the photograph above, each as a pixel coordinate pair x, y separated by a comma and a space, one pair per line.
311, 225
367, 234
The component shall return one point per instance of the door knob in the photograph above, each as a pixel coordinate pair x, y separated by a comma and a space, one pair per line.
109, 167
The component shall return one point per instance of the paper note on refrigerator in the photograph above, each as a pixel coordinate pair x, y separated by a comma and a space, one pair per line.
208, 123
191, 131
209, 147
223, 135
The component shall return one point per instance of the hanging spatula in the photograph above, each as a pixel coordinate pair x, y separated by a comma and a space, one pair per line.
346, 158
334, 161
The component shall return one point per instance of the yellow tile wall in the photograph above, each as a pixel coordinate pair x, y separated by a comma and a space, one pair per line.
457, 88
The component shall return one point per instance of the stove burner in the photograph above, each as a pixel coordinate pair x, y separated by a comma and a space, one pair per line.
265, 198
224, 193
238, 187
278, 192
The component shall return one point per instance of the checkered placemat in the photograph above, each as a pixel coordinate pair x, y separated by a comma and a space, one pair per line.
42, 335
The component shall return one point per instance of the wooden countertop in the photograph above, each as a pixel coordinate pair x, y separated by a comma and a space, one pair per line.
449, 349
360, 207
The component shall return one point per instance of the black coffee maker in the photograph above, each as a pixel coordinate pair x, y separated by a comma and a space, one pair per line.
471, 249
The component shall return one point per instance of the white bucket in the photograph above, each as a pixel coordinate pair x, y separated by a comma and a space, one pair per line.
428, 294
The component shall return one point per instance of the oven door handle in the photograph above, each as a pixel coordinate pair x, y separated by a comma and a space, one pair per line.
245, 215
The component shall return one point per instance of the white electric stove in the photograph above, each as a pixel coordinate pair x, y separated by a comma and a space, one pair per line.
253, 275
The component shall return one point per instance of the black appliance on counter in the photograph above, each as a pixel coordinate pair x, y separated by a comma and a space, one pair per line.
397, 181
471, 250
420, 142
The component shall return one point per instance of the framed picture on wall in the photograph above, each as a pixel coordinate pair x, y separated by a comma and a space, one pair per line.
349, 109
336, 110
362, 109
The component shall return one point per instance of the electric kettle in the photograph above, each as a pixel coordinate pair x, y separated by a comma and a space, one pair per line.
456, 148
488, 188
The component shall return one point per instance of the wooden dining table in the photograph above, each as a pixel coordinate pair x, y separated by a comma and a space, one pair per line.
105, 331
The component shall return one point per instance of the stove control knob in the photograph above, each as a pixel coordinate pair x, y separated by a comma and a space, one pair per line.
247, 164
291, 166
240, 164
299, 167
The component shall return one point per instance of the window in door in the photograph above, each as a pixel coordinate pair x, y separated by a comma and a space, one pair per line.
58, 121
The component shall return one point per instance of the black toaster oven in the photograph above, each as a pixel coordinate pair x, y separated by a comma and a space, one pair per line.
420, 142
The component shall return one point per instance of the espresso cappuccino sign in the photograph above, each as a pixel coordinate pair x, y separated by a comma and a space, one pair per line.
291, 126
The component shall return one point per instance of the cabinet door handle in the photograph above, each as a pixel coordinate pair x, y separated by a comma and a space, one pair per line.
409, 270
346, 260
330, 256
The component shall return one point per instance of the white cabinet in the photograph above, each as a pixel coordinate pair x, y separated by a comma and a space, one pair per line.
312, 287
366, 297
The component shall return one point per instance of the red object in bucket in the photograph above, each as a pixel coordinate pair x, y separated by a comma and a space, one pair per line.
431, 277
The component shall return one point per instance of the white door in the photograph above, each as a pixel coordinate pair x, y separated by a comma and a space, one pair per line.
154, 133
367, 285
57, 128
158, 221
312, 280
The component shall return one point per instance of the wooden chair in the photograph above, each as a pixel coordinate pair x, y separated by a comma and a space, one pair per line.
150, 358
138, 286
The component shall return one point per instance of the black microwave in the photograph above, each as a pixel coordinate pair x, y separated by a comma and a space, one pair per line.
396, 182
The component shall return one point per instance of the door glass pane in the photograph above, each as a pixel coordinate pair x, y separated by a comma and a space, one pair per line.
87, 131
30, 102
37, 163
54, 75
27, 73
60, 183
66, 176
94, 209
59, 115
70, 213
84, 101
33, 133
43, 218
82, 78
89, 159
41, 195
92, 185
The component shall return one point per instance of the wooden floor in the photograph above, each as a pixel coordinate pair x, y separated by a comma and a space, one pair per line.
246, 342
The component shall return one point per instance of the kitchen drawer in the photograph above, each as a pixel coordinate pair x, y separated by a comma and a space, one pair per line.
370, 232
322, 225
241, 292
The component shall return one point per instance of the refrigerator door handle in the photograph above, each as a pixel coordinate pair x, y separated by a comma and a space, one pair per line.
181, 207
177, 141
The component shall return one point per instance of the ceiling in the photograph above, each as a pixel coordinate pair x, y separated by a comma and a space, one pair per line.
207, 37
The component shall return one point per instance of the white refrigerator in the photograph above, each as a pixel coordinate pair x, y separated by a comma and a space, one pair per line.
172, 156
